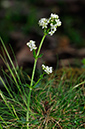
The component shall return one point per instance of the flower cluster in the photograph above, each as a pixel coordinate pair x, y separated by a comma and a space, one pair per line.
43, 22
31, 45
50, 24
47, 69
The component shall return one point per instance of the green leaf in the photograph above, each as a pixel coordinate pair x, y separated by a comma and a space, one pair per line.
27, 85
34, 53
40, 55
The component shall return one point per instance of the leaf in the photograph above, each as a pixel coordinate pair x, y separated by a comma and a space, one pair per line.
27, 85
40, 55
34, 53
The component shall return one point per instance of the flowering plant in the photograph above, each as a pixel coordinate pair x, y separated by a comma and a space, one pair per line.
56, 103
50, 26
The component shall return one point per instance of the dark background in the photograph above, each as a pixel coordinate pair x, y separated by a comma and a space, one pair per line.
19, 23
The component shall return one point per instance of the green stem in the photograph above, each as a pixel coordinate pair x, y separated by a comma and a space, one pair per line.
33, 72
41, 44
37, 59
34, 67
28, 106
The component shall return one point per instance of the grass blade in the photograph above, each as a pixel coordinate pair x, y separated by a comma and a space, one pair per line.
10, 59
6, 87
3, 122
4, 99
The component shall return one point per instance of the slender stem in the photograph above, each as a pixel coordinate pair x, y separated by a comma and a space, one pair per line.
34, 67
37, 59
33, 72
41, 44
28, 106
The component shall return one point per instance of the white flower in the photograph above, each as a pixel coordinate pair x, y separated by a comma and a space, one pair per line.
50, 24
53, 29
47, 69
51, 33
54, 16
31, 45
43, 22
58, 22
54, 23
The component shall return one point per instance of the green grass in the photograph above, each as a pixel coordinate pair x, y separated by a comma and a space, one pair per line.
52, 106
55, 103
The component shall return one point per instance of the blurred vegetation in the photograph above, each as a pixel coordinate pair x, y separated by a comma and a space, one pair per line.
19, 16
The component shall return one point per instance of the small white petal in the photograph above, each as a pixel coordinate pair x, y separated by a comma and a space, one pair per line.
31, 45
58, 22
43, 66
54, 16
43, 22
51, 32
47, 69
